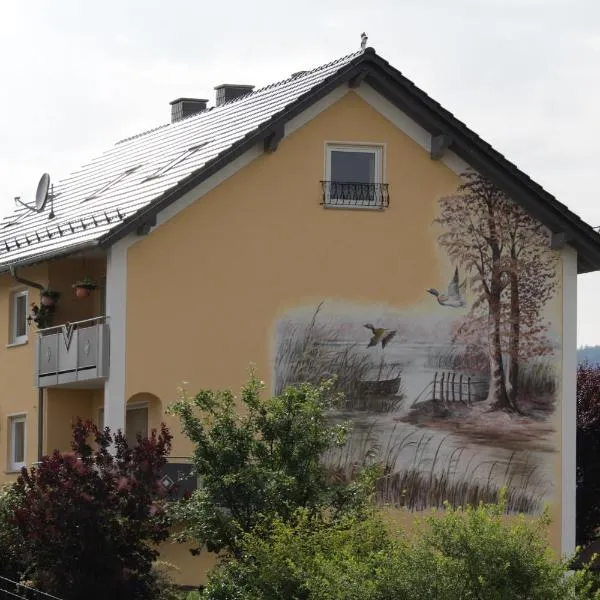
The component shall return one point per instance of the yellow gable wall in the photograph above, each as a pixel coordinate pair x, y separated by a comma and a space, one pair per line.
206, 288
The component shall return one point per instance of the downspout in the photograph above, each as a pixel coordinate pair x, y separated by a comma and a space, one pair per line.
40, 448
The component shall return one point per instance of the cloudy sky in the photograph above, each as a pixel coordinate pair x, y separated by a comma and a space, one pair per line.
525, 74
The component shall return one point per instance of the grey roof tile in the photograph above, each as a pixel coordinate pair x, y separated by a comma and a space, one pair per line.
100, 195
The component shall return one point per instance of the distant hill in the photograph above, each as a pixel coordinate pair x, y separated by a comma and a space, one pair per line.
589, 354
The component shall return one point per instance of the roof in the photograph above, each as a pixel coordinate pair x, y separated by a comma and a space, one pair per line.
130, 183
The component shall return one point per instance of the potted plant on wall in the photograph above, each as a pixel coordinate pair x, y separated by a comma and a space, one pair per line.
84, 287
49, 298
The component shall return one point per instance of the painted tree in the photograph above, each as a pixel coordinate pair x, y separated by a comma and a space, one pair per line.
531, 273
505, 254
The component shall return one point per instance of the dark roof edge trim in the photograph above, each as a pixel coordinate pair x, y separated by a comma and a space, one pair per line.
482, 157
50, 255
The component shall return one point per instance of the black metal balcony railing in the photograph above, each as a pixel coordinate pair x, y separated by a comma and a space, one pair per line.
358, 195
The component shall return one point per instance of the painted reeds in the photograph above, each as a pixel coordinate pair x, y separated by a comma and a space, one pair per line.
418, 475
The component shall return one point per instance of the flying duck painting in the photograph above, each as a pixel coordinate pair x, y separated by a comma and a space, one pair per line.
455, 296
380, 335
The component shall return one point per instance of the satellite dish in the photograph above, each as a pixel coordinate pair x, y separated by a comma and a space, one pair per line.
42, 192
41, 197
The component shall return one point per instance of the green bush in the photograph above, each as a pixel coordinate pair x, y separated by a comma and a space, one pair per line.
475, 553
470, 554
312, 558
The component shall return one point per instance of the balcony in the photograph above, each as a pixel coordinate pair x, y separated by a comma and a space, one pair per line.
73, 355
344, 194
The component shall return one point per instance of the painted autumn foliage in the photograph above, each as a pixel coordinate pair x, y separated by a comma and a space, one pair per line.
511, 274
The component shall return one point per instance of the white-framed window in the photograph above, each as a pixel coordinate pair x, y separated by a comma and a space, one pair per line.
18, 317
136, 421
354, 163
17, 442
354, 176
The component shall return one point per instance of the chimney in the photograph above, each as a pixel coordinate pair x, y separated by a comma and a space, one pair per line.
230, 91
184, 107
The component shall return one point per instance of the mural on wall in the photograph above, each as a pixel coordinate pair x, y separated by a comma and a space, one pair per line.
455, 395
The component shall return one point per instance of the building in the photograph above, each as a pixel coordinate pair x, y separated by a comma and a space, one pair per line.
316, 225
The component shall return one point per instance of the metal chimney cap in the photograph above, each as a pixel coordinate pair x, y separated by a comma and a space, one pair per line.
237, 86
188, 100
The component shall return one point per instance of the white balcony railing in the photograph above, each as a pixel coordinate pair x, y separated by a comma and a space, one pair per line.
73, 353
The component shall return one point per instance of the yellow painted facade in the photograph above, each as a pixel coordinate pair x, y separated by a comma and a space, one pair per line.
206, 289
19, 395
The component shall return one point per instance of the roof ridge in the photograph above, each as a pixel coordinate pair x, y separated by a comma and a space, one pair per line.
282, 81
244, 96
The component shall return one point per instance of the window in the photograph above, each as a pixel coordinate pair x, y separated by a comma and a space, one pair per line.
16, 442
136, 421
354, 177
18, 317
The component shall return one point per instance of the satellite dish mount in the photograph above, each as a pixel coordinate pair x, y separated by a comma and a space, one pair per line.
44, 193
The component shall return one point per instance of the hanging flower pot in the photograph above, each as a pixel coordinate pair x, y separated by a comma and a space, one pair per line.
49, 297
84, 287
82, 292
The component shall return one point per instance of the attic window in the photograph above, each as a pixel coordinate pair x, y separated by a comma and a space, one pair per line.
354, 177
178, 159
112, 183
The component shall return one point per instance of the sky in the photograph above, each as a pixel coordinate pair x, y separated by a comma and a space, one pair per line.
524, 74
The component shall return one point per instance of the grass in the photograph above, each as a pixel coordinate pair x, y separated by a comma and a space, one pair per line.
429, 477
538, 377
307, 353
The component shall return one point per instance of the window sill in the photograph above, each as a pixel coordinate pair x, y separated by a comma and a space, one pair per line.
10, 472
351, 207
15, 344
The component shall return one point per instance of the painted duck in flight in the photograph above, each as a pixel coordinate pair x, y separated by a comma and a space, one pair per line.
380, 335
455, 295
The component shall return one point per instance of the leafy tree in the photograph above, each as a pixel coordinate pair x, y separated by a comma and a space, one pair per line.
258, 460
90, 519
588, 452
